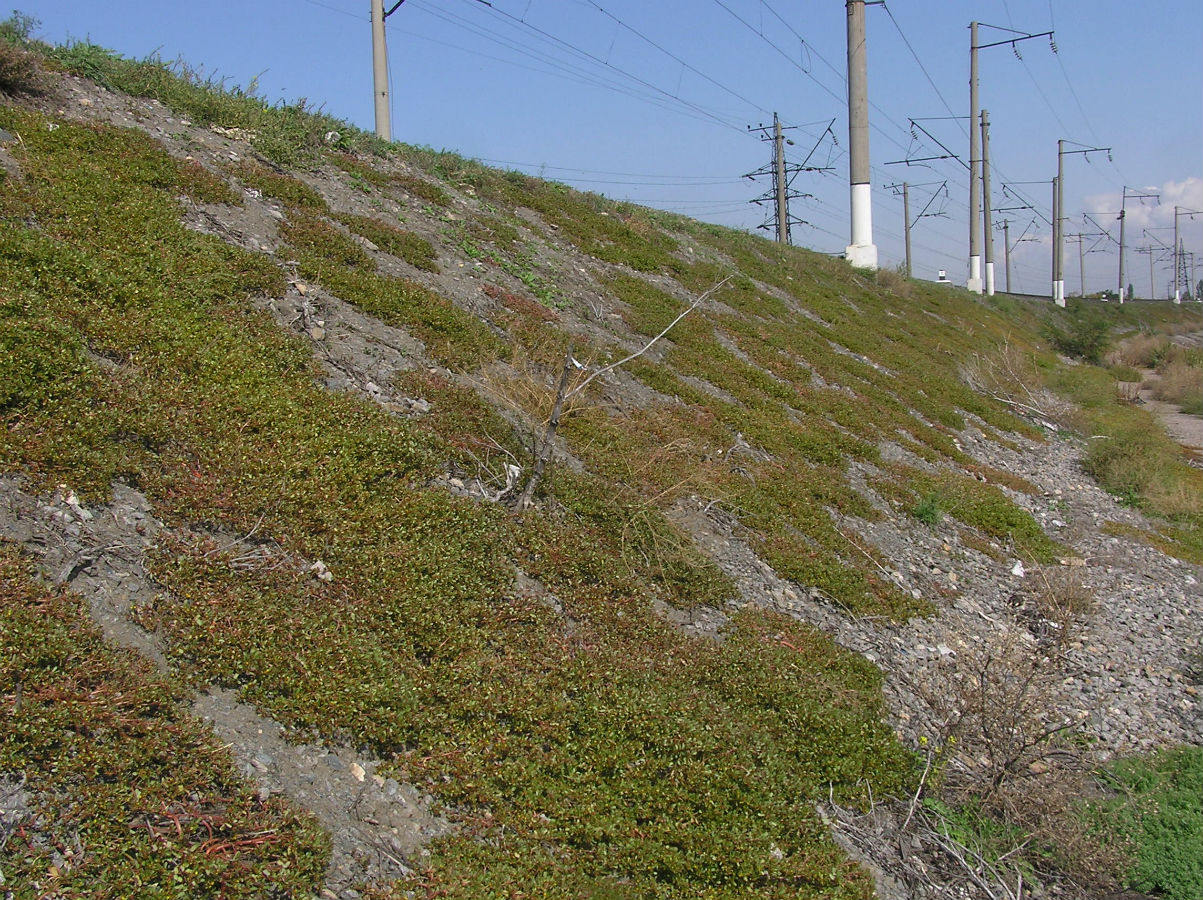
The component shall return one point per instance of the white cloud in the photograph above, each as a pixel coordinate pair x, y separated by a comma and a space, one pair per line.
1142, 214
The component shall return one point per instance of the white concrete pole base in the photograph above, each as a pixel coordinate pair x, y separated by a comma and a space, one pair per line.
974, 282
862, 256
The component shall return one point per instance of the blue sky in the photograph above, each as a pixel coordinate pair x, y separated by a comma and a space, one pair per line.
652, 101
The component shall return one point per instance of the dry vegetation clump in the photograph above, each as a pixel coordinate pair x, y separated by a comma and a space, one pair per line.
1010, 375
1141, 351
1008, 779
1180, 383
21, 71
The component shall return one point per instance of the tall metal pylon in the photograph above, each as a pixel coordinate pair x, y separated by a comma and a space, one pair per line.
783, 174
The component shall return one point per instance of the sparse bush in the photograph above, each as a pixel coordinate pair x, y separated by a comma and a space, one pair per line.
1080, 332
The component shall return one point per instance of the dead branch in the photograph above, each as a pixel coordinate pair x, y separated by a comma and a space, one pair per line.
543, 452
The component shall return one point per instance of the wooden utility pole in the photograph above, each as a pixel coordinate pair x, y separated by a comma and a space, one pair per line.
862, 252
987, 230
384, 128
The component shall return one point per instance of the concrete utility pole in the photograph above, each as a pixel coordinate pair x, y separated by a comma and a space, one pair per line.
904, 188
1178, 294
987, 229
1180, 255
1059, 217
1058, 235
384, 128
862, 252
1080, 240
782, 172
1150, 251
779, 178
1123, 214
1006, 226
1058, 296
974, 282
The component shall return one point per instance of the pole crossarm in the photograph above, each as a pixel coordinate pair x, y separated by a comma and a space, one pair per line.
1013, 41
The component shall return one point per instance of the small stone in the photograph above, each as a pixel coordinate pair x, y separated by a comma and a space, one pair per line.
357, 771
321, 572
1018, 570
318, 333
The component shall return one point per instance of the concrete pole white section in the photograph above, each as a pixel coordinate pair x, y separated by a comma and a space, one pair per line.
862, 252
384, 128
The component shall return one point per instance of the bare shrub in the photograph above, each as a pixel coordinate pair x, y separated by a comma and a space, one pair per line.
1009, 375
1005, 801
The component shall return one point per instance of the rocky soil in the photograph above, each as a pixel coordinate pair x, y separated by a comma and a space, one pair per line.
1115, 630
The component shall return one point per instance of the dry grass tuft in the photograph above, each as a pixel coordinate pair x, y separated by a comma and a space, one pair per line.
1141, 351
1181, 383
21, 71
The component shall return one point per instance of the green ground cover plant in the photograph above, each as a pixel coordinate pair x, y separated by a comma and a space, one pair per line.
126, 792
513, 714
1158, 802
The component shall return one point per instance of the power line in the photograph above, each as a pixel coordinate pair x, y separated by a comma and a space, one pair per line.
546, 35
674, 57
